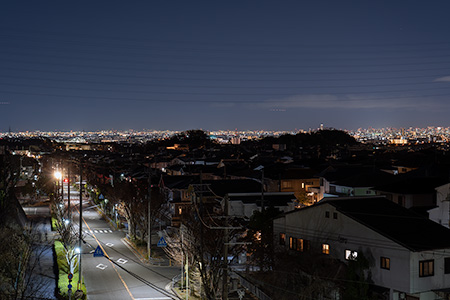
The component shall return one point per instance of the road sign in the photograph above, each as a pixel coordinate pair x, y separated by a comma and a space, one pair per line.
98, 252
70, 276
69, 286
162, 242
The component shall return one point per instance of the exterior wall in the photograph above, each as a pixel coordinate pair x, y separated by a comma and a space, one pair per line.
344, 234
438, 281
441, 214
238, 208
364, 191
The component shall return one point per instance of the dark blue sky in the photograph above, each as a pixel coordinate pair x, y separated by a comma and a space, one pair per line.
275, 65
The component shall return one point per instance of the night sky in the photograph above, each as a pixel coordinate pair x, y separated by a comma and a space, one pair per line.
177, 65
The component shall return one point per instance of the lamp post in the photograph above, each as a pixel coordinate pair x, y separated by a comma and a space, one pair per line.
58, 177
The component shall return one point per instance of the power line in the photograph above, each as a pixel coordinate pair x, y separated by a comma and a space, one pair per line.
158, 62
224, 79
216, 94
227, 72
283, 101
323, 46
216, 86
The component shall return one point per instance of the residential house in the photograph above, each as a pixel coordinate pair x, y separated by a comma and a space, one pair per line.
244, 204
409, 255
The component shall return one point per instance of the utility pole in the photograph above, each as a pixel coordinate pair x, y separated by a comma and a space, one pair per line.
62, 186
225, 253
149, 246
80, 225
69, 214
262, 189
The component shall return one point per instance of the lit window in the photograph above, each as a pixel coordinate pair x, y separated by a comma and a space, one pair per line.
282, 239
351, 255
287, 184
292, 243
426, 268
303, 185
300, 245
385, 263
180, 210
325, 249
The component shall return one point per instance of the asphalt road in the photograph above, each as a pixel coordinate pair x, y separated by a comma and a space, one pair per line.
123, 276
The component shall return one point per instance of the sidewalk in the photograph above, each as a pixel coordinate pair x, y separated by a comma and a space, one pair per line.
44, 273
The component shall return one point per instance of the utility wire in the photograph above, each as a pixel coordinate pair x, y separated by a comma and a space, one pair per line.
215, 94
120, 59
166, 70
186, 101
189, 78
216, 86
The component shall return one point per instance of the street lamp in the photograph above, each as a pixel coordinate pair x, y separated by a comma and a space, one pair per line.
58, 175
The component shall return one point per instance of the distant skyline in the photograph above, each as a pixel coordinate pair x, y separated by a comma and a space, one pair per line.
248, 65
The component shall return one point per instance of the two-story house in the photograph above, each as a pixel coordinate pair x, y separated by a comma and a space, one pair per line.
409, 254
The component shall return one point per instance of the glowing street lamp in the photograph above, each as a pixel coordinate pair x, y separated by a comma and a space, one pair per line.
58, 175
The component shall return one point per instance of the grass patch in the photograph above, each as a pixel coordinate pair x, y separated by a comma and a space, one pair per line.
63, 269
55, 223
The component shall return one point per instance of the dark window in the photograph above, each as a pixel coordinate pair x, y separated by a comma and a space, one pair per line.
447, 265
282, 239
426, 268
306, 245
385, 263
334, 215
327, 214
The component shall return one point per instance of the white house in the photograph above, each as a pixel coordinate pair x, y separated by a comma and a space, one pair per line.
410, 254
441, 213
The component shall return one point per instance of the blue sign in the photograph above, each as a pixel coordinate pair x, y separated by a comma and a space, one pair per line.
98, 252
69, 286
162, 242
101, 197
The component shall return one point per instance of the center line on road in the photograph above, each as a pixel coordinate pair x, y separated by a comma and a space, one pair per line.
115, 269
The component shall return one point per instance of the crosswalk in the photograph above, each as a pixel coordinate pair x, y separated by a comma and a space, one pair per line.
98, 231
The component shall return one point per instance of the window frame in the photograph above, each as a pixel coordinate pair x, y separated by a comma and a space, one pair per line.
282, 238
424, 266
351, 257
447, 265
385, 263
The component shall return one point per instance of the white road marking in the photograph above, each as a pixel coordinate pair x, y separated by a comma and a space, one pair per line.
109, 244
101, 266
122, 261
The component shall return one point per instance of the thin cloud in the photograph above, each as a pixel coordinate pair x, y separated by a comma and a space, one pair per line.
327, 101
443, 79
